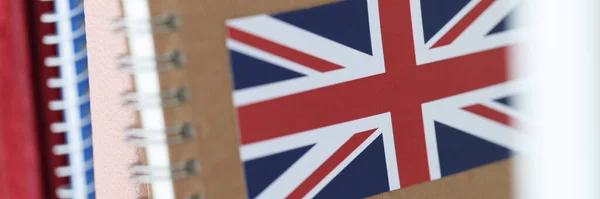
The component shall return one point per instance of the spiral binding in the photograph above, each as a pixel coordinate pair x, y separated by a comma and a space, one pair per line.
166, 98
66, 191
168, 61
174, 135
171, 135
159, 24
177, 170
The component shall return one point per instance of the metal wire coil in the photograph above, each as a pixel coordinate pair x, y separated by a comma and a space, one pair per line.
159, 24
166, 98
175, 171
171, 60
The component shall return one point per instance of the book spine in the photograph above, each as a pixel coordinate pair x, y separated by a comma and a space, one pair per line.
73, 82
152, 135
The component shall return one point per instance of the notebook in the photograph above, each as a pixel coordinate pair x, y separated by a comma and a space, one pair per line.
410, 91
68, 115
112, 156
47, 148
20, 163
44, 95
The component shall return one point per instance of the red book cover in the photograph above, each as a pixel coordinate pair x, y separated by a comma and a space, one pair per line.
20, 168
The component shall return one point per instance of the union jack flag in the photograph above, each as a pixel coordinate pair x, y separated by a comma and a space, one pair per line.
360, 97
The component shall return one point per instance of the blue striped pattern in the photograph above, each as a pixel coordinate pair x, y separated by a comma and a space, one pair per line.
77, 22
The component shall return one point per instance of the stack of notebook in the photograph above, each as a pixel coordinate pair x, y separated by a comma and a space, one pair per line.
46, 131
313, 99
261, 99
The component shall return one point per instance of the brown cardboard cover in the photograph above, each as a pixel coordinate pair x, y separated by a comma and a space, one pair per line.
207, 75
489, 182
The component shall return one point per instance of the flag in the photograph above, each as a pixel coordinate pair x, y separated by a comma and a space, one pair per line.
360, 97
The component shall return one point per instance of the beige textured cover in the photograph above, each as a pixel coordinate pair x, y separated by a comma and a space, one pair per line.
112, 156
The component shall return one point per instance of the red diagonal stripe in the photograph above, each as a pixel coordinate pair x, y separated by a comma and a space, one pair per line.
330, 164
462, 25
282, 51
489, 113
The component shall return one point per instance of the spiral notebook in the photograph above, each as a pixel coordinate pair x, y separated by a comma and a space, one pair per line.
311, 99
67, 124
44, 95
47, 151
